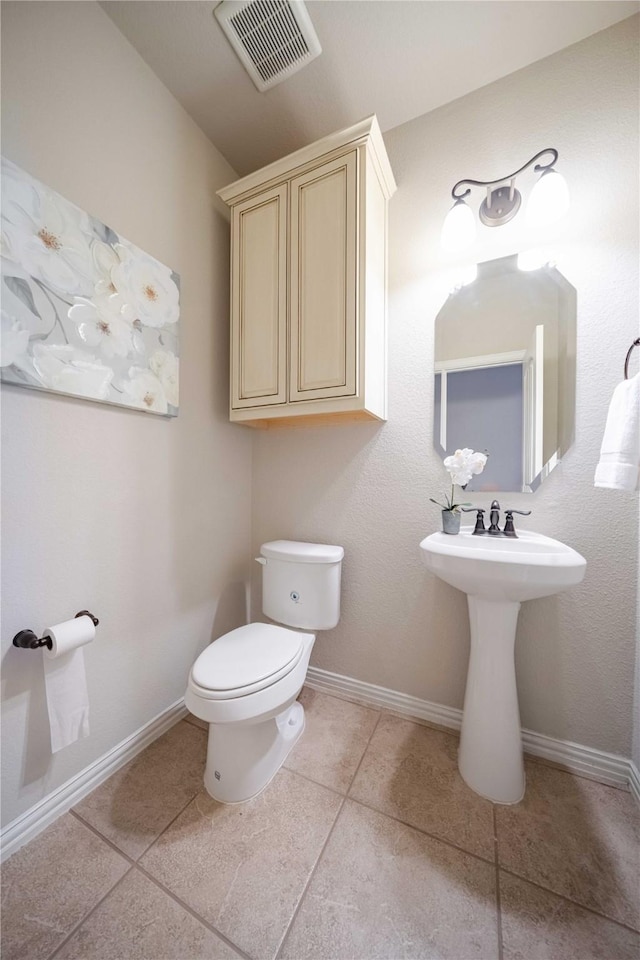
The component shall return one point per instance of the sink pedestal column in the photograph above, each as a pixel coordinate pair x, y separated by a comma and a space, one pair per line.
490, 755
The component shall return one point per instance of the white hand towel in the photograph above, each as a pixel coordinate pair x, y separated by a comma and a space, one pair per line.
619, 466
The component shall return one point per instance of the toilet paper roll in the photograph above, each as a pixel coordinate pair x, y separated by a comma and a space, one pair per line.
66, 681
69, 635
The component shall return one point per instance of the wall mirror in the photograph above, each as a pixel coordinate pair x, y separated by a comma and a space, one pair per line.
505, 372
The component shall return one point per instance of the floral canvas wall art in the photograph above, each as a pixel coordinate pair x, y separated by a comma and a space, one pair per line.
84, 312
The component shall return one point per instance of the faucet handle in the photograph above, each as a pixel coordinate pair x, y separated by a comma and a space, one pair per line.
480, 527
509, 529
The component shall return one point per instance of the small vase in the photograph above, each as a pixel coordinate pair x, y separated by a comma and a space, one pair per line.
450, 522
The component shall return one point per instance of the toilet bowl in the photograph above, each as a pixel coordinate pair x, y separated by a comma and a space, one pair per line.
245, 684
254, 719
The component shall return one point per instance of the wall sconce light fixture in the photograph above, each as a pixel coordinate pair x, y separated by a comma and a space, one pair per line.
548, 201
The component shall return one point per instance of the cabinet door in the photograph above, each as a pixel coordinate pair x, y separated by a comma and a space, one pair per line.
323, 281
259, 300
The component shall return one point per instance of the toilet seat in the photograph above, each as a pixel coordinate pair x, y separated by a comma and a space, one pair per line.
246, 660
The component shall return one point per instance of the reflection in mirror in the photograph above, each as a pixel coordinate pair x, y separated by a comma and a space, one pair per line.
505, 370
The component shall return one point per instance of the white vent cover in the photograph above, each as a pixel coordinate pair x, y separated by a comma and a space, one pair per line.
273, 38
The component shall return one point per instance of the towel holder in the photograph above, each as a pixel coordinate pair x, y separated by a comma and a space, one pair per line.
636, 343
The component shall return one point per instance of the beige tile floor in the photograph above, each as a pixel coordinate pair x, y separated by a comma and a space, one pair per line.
367, 844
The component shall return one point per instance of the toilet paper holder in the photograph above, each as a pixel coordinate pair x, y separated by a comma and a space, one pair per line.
28, 640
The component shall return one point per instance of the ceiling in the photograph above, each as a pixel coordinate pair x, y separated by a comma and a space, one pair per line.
396, 58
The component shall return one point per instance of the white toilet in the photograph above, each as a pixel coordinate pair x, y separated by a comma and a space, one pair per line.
245, 684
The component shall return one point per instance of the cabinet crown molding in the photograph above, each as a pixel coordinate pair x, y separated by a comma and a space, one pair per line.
365, 131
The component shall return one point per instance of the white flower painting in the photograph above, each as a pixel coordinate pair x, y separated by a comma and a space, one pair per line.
84, 312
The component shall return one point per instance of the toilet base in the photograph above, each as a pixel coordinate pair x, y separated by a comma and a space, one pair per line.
243, 759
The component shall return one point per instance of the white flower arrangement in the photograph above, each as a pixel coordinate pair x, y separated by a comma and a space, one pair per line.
461, 466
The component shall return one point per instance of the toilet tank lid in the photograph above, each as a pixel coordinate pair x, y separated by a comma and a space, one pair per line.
298, 552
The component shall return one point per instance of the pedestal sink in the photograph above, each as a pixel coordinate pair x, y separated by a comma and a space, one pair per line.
497, 574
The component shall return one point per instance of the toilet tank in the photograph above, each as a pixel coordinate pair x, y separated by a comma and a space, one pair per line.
301, 583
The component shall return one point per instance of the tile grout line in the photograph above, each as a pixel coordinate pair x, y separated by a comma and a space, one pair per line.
134, 863
622, 786
432, 836
90, 913
498, 901
170, 824
476, 856
106, 839
337, 793
149, 845
308, 883
185, 906
190, 720
406, 823
324, 846
454, 846
110, 843
575, 903
316, 783
498, 867
561, 768
383, 813
368, 744
319, 783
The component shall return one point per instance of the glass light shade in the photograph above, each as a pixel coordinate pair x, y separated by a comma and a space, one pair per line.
466, 275
549, 199
533, 259
458, 229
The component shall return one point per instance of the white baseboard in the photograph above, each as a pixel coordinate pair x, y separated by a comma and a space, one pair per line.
605, 767
373, 696
34, 820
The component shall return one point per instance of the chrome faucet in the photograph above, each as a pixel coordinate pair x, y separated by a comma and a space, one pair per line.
494, 520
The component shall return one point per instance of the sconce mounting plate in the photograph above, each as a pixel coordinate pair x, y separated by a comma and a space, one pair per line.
501, 207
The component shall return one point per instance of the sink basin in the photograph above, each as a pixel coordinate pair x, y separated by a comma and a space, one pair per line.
497, 574
502, 568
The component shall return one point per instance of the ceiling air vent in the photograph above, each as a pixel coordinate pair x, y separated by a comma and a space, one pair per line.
273, 38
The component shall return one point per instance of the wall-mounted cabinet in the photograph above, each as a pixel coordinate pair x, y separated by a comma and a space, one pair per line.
308, 283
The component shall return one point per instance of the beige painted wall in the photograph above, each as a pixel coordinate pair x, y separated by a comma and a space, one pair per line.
144, 521
367, 488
